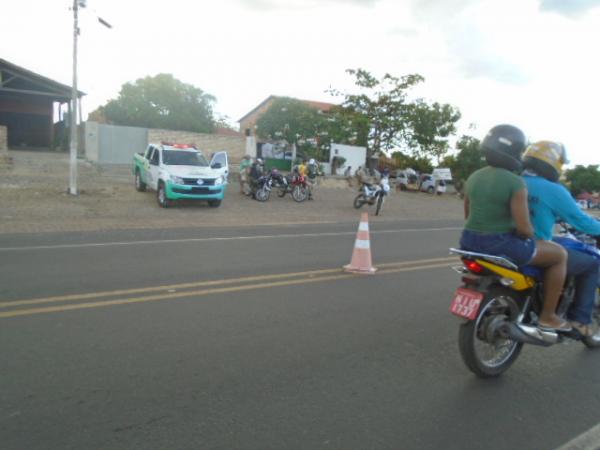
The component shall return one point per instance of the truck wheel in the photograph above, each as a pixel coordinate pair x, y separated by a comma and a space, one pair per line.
214, 203
140, 186
161, 195
430, 189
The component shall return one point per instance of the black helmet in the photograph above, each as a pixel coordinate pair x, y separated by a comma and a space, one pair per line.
502, 147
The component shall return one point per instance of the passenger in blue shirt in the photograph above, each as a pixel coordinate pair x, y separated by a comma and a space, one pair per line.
550, 202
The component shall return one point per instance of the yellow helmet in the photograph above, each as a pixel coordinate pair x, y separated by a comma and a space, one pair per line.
546, 158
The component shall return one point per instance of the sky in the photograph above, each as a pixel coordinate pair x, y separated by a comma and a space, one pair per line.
530, 63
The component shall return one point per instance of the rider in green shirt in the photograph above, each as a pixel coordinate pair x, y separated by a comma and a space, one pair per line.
497, 218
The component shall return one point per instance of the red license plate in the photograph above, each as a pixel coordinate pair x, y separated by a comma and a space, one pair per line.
466, 303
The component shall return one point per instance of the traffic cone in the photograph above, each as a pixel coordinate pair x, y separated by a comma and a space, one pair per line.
361, 256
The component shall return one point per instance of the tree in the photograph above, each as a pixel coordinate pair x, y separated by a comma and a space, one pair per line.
296, 122
430, 126
582, 178
380, 108
468, 159
390, 121
161, 101
418, 163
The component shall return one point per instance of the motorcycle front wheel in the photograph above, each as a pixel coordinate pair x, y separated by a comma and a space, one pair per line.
379, 204
359, 201
299, 193
262, 195
484, 351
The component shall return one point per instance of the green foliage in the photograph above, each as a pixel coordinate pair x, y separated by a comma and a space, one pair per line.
295, 122
161, 102
468, 159
430, 126
582, 178
288, 119
338, 161
419, 163
380, 109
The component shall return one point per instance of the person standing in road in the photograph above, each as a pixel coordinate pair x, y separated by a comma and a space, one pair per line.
360, 175
348, 175
312, 170
244, 170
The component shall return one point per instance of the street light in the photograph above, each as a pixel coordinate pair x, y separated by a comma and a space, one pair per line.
73, 141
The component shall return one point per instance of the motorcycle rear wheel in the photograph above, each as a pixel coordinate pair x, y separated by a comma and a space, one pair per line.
282, 190
359, 201
484, 352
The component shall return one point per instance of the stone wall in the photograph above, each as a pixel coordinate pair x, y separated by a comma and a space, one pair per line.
3, 139
235, 146
4, 158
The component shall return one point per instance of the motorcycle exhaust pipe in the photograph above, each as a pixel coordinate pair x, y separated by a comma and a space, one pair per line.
529, 334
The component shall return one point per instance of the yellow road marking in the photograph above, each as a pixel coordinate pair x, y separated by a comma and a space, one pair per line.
93, 295
204, 292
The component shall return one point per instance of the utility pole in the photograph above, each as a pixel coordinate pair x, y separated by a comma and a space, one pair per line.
74, 98
73, 117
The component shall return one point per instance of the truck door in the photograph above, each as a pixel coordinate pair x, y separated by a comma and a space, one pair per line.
145, 165
219, 163
154, 167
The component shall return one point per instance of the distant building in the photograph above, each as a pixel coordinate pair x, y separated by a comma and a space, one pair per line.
248, 122
27, 107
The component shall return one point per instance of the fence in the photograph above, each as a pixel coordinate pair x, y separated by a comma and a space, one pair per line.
112, 144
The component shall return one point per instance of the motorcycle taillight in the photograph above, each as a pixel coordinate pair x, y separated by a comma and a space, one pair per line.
473, 266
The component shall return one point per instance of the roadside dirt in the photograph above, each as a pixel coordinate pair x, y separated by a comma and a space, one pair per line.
33, 198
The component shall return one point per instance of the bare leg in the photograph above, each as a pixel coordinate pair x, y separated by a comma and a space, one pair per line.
553, 258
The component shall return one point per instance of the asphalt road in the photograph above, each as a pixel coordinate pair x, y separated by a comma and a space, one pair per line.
253, 338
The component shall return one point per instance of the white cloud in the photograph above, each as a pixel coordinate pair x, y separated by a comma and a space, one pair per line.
571, 8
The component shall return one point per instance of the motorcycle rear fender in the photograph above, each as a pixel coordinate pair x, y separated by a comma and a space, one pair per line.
520, 282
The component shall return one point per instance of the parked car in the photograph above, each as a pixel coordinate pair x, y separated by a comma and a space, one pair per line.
583, 204
431, 185
407, 180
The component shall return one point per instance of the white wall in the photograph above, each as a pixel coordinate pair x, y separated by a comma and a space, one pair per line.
355, 156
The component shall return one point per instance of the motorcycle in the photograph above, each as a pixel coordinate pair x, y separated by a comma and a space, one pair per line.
373, 193
262, 189
296, 185
500, 303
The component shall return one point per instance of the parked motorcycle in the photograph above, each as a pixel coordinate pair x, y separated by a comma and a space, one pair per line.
296, 185
500, 304
262, 188
373, 194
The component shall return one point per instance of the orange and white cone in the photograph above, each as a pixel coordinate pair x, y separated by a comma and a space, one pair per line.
361, 256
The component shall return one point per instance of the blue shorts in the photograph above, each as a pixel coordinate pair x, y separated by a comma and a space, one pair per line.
508, 245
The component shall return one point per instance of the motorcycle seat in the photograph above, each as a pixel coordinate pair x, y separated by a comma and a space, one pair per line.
532, 271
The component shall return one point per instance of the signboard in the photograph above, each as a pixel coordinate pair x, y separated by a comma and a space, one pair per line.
442, 174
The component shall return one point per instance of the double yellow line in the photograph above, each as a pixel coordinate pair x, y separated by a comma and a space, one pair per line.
196, 289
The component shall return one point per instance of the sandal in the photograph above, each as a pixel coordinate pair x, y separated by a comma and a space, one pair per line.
564, 327
585, 330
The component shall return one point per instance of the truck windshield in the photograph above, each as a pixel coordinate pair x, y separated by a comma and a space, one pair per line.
183, 158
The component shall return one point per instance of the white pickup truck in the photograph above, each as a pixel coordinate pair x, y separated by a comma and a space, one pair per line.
177, 171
